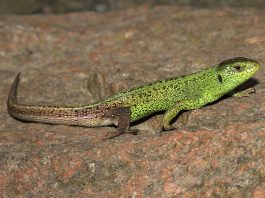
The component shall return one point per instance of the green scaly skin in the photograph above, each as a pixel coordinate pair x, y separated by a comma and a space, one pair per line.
170, 95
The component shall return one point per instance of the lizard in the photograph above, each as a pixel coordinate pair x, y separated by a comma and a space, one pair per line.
172, 95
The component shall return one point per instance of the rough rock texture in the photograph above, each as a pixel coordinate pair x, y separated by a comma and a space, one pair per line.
77, 58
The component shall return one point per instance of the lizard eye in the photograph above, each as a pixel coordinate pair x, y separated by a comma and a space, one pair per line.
220, 79
238, 68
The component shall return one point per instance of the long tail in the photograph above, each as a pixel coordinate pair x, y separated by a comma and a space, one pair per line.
86, 115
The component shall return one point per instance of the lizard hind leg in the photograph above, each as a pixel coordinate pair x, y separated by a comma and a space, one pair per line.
121, 117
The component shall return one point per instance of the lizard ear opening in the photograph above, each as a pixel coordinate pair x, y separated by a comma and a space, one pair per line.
220, 79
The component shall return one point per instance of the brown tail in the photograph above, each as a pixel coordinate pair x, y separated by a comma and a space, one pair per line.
13, 91
12, 96
85, 115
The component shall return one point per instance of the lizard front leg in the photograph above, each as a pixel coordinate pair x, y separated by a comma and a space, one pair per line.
121, 117
174, 110
244, 93
171, 113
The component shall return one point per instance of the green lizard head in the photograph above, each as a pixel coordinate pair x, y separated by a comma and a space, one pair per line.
233, 72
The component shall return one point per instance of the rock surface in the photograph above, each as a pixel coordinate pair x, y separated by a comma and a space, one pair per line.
78, 58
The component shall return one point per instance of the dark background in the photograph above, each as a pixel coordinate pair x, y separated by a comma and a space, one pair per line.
63, 6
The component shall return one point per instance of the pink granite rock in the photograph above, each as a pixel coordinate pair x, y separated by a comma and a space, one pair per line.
78, 58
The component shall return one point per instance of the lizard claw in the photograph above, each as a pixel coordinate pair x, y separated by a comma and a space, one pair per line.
133, 131
166, 127
111, 135
116, 134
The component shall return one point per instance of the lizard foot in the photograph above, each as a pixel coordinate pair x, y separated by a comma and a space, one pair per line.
116, 134
166, 127
245, 93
